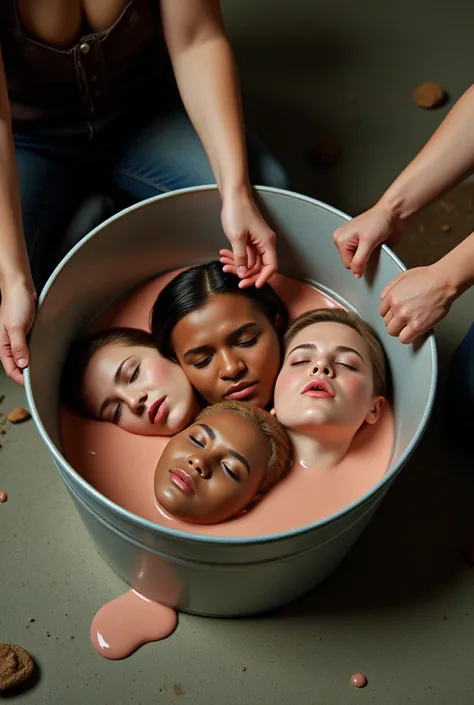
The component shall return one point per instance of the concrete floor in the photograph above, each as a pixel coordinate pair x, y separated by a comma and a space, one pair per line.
401, 607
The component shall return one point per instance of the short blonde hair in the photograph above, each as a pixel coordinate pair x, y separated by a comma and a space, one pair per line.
279, 448
346, 318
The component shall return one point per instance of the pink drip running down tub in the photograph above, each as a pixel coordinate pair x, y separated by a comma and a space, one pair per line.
201, 574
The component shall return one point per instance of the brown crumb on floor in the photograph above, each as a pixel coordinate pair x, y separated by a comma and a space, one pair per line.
18, 415
178, 689
446, 228
429, 95
243, 668
32, 619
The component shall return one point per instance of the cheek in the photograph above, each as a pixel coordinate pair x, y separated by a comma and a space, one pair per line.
287, 381
357, 389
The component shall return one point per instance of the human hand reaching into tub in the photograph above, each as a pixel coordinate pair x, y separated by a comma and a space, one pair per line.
332, 382
222, 464
252, 240
17, 312
418, 299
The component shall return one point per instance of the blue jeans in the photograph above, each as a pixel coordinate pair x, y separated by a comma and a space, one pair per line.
126, 154
460, 389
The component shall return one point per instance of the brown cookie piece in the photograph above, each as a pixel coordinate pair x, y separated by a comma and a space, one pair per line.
18, 415
429, 95
16, 665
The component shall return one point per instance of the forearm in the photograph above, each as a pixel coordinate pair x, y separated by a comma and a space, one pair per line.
14, 264
208, 83
206, 75
445, 160
457, 267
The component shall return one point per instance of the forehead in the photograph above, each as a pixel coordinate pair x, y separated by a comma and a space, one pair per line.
232, 426
329, 334
223, 309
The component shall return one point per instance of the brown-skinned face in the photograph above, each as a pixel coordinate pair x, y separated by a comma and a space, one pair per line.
229, 349
212, 470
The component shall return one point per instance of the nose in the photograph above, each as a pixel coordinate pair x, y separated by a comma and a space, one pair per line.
199, 465
322, 367
136, 401
232, 366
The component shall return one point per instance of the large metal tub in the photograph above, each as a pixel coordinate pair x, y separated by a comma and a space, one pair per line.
195, 573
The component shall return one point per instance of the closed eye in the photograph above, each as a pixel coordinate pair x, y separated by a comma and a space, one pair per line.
196, 442
117, 413
349, 367
229, 472
136, 373
203, 363
248, 343
299, 362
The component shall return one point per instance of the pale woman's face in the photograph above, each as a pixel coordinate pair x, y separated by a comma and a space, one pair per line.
327, 381
134, 387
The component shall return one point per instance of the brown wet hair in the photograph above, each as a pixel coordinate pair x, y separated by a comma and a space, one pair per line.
82, 351
279, 448
352, 320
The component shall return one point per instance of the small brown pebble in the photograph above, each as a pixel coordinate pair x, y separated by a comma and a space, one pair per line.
16, 665
429, 95
18, 415
3, 496
243, 668
325, 151
48, 633
2, 431
358, 680
446, 228
31, 619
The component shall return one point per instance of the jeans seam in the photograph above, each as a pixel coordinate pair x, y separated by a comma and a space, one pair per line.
143, 180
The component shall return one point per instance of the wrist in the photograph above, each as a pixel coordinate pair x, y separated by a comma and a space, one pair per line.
12, 281
448, 280
236, 191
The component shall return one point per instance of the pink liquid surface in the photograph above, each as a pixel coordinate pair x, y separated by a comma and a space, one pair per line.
124, 624
121, 465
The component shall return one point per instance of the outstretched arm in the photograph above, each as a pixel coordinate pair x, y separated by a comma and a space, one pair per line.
207, 79
16, 286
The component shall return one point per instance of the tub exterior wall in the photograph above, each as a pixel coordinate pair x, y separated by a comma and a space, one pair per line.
195, 578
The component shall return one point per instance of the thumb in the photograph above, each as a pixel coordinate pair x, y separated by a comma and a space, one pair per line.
361, 257
239, 248
19, 346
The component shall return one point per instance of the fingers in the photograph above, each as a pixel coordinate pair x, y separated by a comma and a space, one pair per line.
344, 247
392, 284
361, 257
248, 280
18, 346
239, 249
10, 366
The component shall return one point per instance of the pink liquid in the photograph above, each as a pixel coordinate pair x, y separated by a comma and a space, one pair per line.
124, 624
121, 465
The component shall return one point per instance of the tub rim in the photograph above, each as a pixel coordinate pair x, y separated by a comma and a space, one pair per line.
146, 524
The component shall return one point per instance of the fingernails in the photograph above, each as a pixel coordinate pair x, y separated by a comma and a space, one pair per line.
21, 362
241, 271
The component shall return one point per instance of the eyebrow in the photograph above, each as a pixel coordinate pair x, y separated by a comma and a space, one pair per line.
117, 377
212, 436
235, 333
313, 346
